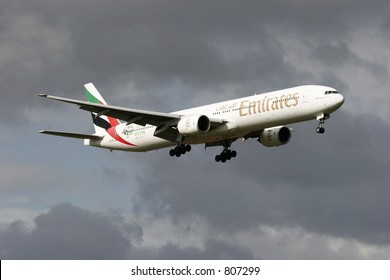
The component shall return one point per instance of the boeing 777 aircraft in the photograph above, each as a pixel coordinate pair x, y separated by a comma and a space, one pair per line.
261, 116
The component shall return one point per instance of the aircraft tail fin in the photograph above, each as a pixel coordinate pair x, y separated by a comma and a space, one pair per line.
101, 122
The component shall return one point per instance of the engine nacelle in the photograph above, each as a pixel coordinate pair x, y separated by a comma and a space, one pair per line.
275, 136
194, 124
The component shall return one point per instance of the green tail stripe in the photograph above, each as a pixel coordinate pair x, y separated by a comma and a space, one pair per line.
91, 98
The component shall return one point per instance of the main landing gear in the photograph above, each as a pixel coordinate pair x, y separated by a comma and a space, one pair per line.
179, 150
226, 154
320, 128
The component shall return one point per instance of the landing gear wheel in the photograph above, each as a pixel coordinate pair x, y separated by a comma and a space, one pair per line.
180, 150
225, 155
320, 130
228, 155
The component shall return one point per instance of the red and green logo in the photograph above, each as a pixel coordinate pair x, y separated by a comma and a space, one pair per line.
109, 125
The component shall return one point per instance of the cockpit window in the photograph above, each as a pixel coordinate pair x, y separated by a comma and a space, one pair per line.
331, 91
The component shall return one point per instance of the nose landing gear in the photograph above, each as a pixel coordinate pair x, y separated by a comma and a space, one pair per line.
320, 128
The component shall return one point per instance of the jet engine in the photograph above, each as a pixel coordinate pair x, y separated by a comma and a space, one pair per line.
193, 124
275, 136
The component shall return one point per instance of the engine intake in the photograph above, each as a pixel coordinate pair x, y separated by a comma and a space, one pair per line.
275, 136
194, 124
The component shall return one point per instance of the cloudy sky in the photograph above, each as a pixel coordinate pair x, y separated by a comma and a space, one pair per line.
319, 197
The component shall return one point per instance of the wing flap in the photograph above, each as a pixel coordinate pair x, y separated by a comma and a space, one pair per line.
72, 134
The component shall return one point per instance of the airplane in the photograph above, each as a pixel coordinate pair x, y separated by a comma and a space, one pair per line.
261, 116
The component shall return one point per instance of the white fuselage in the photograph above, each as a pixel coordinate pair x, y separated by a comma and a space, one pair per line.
241, 116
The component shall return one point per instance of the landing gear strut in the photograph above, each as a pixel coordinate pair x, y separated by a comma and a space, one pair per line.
226, 154
320, 128
179, 150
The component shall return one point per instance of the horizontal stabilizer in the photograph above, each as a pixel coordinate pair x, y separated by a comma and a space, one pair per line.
72, 135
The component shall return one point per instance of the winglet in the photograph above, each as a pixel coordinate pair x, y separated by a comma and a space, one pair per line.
42, 95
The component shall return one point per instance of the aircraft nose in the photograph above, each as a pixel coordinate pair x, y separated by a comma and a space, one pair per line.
335, 101
340, 100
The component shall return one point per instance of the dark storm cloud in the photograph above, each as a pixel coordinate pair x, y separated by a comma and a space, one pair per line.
335, 184
69, 232
333, 55
213, 250
65, 232
56, 46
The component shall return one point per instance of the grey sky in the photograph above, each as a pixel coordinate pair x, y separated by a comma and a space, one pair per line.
320, 196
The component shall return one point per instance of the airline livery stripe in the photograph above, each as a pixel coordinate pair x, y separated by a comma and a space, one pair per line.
115, 135
92, 98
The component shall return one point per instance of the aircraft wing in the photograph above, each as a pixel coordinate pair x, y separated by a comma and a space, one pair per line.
140, 117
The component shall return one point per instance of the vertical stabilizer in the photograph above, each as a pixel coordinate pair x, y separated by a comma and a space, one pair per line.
101, 123
93, 95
